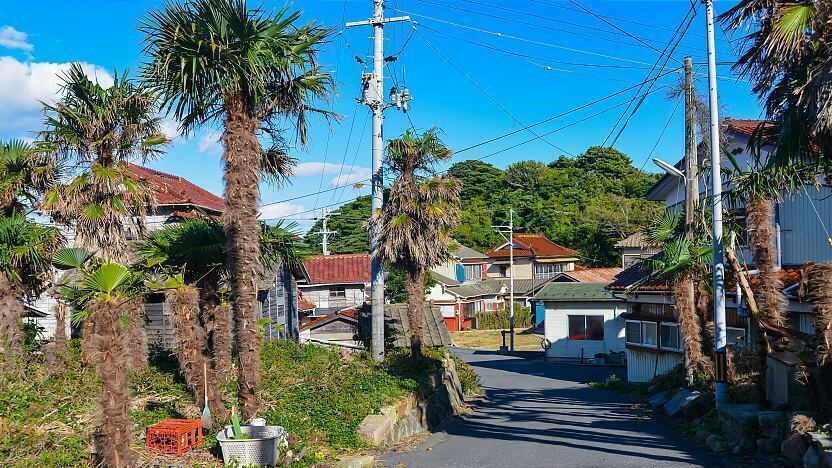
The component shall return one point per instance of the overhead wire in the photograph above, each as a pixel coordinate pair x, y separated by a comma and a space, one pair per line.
483, 91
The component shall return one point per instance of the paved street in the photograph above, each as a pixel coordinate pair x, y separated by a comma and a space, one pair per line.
539, 414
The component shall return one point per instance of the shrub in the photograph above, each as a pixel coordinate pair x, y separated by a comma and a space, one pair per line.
499, 320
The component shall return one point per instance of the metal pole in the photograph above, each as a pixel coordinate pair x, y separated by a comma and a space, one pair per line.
377, 267
511, 278
720, 332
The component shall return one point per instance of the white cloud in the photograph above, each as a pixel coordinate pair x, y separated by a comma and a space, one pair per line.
13, 39
209, 143
351, 178
24, 84
170, 128
317, 168
280, 210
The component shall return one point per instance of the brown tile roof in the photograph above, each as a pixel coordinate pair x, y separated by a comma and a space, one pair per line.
789, 274
174, 190
633, 240
745, 127
303, 304
348, 313
533, 245
345, 268
594, 275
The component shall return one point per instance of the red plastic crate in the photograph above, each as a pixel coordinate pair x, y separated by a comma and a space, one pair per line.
174, 436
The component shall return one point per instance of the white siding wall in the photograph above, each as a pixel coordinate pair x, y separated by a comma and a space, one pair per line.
642, 366
802, 236
557, 329
355, 295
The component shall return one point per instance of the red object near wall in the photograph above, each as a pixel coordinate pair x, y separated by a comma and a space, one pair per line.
174, 436
484, 271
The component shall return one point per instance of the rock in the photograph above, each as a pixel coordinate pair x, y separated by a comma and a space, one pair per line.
721, 445
363, 461
737, 450
826, 459
375, 428
682, 399
701, 435
748, 443
768, 446
658, 400
793, 448
711, 441
811, 459
734, 418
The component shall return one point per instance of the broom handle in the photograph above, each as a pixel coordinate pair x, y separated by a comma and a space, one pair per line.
205, 379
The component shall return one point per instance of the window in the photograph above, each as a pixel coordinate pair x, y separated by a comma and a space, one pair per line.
547, 270
448, 311
633, 332
338, 292
735, 335
586, 327
670, 336
649, 334
470, 309
503, 270
473, 272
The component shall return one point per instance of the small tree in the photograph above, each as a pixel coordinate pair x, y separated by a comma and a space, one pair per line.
417, 220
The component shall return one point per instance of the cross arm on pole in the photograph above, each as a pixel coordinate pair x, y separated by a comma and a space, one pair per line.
373, 22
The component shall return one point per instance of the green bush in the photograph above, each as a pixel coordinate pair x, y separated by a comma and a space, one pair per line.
499, 320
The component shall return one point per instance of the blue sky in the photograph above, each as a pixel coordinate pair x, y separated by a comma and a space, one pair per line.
529, 59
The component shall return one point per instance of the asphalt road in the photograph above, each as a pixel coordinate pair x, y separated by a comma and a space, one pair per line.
537, 414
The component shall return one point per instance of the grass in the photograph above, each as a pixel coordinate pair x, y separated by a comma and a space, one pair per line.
320, 398
492, 340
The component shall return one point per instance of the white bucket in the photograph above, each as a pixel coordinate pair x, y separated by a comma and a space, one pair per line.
262, 448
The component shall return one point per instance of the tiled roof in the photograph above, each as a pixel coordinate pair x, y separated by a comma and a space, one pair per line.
174, 190
575, 292
633, 240
745, 127
350, 314
641, 275
789, 274
533, 245
594, 275
466, 253
397, 325
521, 286
306, 305
334, 269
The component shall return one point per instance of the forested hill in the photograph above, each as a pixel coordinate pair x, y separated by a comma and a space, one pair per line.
587, 203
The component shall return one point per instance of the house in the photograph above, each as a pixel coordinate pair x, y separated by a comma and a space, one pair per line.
582, 321
464, 265
336, 282
178, 199
459, 303
337, 328
654, 344
535, 257
578, 275
634, 248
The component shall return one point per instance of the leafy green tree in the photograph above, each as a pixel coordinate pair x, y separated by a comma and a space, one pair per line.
479, 179
395, 289
25, 174
349, 223
252, 70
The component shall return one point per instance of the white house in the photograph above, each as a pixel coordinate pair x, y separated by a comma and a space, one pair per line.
583, 320
336, 282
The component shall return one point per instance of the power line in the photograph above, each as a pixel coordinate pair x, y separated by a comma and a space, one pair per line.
484, 92
355, 156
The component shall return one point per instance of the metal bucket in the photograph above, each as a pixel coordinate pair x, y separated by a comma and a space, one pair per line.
261, 449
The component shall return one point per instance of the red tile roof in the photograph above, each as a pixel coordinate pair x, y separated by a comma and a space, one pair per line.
347, 268
306, 305
174, 190
789, 275
348, 313
745, 127
533, 245
594, 275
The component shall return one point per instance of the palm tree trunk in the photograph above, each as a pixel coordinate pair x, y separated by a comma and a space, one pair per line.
136, 337
816, 287
11, 311
190, 345
415, 287
242, 180
107, 352
684, 295
761, 225
56, 355
216, 319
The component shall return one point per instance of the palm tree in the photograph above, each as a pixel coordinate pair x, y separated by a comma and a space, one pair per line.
100, 130
24, 175
101, 294
683, 262
220, 61
25, 252
417, 220
787, 56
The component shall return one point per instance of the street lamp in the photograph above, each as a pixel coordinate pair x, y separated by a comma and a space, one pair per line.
670, 169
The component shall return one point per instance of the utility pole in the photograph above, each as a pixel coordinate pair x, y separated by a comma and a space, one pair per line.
691, 153
503, 230
324, 232
374, 86
720, 332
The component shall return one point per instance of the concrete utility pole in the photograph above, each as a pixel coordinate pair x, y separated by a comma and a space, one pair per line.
374, 86
324, 232
503, 230
720, 332
691, 154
